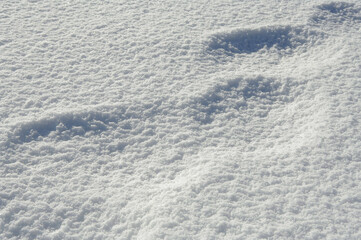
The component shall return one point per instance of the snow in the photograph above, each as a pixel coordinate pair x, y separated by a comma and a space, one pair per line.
180, 119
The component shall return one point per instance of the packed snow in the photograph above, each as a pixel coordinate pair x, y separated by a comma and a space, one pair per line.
200, 119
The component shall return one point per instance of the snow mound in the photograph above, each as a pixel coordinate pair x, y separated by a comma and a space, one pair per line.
253, 40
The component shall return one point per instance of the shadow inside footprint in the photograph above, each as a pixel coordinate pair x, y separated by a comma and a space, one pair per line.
252, 40
64, 126
340, 8
336, 12
236, 95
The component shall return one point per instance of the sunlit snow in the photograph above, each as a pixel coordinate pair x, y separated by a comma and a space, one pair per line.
180, 119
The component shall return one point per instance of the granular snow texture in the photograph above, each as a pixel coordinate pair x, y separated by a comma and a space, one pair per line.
180, 119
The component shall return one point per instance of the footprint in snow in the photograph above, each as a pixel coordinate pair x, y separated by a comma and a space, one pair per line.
238, 95
62, 126
247, 41
336, 12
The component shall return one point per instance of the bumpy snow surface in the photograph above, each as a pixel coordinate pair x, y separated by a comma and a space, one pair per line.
180, 119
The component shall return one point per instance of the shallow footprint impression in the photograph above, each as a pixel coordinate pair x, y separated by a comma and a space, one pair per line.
240, 96
64, 126
337, 12
247, 41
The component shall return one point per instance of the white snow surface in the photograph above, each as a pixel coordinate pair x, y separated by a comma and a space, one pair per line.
185, 119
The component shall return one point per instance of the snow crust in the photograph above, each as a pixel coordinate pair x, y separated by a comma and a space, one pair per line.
180, 119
